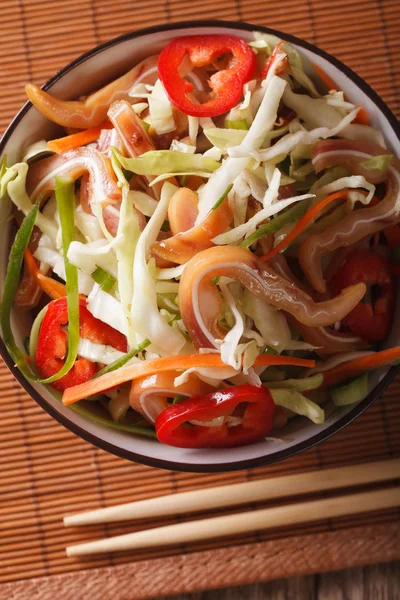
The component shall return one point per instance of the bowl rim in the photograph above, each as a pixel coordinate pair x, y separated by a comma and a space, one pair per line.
159, 462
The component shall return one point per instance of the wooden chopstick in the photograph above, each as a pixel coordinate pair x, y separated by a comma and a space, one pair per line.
281, 516
241, 493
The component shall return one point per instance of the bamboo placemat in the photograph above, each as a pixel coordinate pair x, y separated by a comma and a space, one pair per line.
47, 472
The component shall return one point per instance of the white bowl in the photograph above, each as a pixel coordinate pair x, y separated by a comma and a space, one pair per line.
92, 70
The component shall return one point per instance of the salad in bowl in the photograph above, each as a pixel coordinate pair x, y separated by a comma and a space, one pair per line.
208, 246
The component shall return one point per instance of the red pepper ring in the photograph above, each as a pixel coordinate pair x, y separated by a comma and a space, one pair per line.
173, 429
371, 321
226, 85
53, 341
280, 55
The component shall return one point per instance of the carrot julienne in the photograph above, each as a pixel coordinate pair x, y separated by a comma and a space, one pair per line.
331, 85
359, 365
362, 116
304, 221
70, 142
164, 364
50, 286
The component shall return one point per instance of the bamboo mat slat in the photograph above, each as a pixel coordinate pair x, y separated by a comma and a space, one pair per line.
47, 472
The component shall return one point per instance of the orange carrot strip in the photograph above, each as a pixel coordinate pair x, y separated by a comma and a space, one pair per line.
362, 116
52, 288
359, 365
304, 222
76, 140
165, 364
392, 235
325, 78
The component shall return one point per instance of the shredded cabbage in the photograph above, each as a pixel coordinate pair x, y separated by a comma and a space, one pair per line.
159, 162
213, 375
55, 260
144, 203
98, 352
336, 99
171, 273
180, 146
160, 107
291, 140
106, 308
300, 385
213, 153
299, 404
225, 138
381, 163
36, 150
316, 112
88, 225
232, 167
269, 321
126, 241
88, 257
354, 181
230, 352
194, 124
119, 404
164, 176
272, 207
266, 42
13, 183
145, 316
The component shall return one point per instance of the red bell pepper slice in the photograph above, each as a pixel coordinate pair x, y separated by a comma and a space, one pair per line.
278, 54
172, 423
226, 85
53, 341
371, 321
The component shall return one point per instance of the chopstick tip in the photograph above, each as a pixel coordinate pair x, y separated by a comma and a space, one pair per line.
70, 551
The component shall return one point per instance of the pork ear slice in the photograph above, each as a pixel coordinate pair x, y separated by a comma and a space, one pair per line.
359, 223
93, 110
102, 185
200, 301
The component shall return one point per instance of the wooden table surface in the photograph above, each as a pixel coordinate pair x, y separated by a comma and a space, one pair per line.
373, 582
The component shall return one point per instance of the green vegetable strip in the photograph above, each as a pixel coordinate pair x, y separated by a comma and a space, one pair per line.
224, 195
292, 214
33, 340
3, 166
178, 399
20, 244
270, 350
120, 362
381, 163
238, 124
111, 424
351, 391
92, 416
105, 280
301, 385
65, 198
65, 202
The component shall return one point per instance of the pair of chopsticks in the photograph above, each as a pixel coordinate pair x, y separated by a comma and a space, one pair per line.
244, 522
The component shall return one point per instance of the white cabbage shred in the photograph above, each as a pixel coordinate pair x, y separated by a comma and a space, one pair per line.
145, 315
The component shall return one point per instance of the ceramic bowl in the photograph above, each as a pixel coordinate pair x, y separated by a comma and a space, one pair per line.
91, 71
